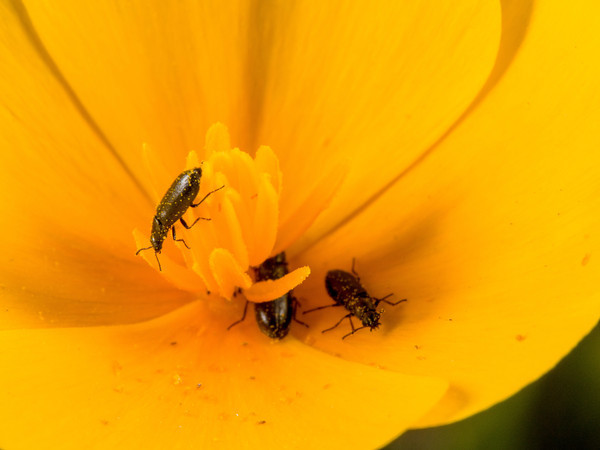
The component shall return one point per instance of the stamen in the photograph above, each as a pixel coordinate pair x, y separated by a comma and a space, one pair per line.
217, 139
244, 222
267, 290
227, 272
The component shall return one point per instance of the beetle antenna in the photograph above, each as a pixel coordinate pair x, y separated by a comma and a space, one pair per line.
379, 300
193, 205
146, 248
354, 271
352, 332
155, 254
347, 316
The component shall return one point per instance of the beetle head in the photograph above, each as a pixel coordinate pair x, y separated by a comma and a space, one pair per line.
370, 319
156, 242
158, 235
197, 171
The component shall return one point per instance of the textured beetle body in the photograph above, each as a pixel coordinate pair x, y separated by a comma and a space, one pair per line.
179, 197
174, 204
274, 317
345, 289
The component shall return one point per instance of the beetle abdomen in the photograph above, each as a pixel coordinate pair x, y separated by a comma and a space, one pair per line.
343, 286
275, 317
345, 289
179, 197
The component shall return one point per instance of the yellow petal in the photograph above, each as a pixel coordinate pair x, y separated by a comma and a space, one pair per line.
492, 237
296, 222
197, 386
151, 72
371, 83
68, 202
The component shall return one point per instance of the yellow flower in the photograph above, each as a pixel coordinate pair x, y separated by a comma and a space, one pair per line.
469, 136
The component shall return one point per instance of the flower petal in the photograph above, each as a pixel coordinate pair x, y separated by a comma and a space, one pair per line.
374, 84
198, 386
68, 204
493, 238
151, 71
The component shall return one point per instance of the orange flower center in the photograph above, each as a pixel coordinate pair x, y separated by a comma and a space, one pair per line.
243, 225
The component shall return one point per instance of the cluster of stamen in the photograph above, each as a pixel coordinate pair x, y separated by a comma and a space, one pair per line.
243, 225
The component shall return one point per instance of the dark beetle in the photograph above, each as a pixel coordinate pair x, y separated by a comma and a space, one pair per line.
274, 317
179, 197
347, 291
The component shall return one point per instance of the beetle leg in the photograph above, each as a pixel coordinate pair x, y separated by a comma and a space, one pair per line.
179, 240
321, 307
145, 248
193, 205
383, 299
354, 271
295, 304
354, 330
394, 303
183, 222
340, 321
243, 316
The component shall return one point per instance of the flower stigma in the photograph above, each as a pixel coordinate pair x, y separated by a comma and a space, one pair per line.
243, 226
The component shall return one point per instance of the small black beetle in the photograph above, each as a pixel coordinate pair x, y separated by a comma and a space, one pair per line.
346, 290
179, 197
273, 317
